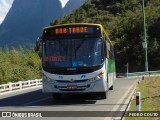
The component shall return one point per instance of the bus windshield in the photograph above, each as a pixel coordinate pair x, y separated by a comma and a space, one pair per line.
72, 53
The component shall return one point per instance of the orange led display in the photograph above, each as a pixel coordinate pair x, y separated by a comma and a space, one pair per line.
69, 30
72, 30
54, 58
78, 30
61, 30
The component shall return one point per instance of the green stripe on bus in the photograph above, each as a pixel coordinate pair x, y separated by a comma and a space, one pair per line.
111, 66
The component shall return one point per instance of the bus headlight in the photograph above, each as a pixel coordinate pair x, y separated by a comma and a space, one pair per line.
46, 78
101, 74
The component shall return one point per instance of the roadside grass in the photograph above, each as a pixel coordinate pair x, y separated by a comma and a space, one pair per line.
150, 98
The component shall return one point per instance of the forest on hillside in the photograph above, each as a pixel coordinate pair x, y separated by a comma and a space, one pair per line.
123, 21
19, 65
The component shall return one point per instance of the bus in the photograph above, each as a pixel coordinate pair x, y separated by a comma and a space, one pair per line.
77, 59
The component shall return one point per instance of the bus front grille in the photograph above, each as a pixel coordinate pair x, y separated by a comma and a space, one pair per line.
69, 81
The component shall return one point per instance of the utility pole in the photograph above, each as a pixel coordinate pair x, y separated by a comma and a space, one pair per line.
145, 39
127, 70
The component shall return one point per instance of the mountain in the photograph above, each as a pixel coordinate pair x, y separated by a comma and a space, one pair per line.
25, 21
72, 4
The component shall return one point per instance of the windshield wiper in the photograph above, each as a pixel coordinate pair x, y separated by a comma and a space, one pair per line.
77, 48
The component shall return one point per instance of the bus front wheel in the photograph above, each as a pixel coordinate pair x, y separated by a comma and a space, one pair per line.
103, 95
111, 88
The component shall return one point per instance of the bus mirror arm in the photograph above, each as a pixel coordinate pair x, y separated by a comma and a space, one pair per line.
39, 40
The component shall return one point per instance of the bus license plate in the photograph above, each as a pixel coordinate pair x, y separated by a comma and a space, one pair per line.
72, 87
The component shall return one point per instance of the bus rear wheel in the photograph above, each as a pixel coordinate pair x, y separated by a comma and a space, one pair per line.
111, 88
57, 96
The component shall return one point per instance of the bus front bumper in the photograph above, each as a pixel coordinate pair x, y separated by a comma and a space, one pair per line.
79, 86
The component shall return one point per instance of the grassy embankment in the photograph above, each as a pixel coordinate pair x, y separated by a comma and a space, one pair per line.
150, 97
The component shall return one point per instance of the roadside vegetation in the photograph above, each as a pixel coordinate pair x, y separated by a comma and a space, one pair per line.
150, 97
19, 65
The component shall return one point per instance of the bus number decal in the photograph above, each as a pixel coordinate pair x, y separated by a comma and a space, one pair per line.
61, 77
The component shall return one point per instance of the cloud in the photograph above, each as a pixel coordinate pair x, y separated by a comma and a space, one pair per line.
4, 8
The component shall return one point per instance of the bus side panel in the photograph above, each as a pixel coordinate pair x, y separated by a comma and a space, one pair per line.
111, 72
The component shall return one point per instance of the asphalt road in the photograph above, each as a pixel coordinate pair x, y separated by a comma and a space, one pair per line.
35, 100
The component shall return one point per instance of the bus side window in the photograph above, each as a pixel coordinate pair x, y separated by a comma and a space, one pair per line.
111, 53
108, 46
108, 49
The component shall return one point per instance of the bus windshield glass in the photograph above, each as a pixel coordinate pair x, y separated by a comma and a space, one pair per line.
72, 53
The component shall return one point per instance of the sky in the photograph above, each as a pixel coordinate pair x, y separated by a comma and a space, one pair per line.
5, 5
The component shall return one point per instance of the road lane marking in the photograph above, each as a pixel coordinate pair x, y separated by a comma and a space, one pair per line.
36, 101
129, 92
115, 108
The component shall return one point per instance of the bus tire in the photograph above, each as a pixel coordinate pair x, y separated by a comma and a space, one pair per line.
57, 96
103, 95
111, 88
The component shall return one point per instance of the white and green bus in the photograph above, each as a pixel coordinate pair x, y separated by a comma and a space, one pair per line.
77, 59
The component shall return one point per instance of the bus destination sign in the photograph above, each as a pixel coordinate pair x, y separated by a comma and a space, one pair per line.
71, 30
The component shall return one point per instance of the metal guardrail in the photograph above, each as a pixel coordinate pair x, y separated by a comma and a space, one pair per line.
20, 85
139, 74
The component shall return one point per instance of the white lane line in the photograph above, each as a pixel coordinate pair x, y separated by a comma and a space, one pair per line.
115, 108
36, 101
130, 90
